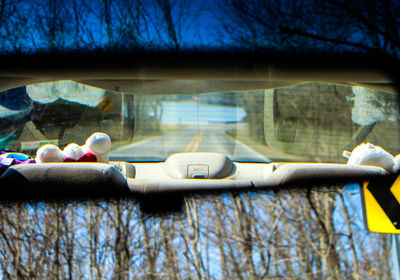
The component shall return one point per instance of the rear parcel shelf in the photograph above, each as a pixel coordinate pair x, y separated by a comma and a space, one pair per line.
97, 180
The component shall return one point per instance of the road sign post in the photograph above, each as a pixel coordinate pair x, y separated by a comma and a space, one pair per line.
396, 256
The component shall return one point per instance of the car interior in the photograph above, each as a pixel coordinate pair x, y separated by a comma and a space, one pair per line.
199, 139
191, 171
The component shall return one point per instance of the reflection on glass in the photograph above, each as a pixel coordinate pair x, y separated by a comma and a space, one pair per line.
371, 106
318, 121
306, 122
45, 93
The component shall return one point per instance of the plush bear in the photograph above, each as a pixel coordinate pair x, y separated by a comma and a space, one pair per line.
49, 153
369, 154
396, 166
96, 149
75, 153
98, 144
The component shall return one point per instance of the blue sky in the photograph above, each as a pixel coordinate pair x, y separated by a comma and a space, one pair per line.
34, 26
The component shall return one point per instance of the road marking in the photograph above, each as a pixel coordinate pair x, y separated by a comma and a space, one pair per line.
194, 144
190, 144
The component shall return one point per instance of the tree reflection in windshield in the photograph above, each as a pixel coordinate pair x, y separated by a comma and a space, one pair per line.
296, 234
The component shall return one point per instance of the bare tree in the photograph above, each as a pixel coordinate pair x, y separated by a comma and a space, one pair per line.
332, 26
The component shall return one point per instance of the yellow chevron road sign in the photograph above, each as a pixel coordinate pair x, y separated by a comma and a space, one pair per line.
105, 105
381, 205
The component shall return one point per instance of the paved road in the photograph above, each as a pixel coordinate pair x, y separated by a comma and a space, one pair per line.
191, 139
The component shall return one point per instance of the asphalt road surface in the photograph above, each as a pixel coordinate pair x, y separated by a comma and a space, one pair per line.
210, 138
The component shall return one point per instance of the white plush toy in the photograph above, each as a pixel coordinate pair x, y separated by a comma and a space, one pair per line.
49, 153
396, 166
96, 149
369, 154
73, 151
99, 144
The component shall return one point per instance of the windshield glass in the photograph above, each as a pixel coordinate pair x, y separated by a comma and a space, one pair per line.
306, 122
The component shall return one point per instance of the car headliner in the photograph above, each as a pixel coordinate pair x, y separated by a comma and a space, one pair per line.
194, 73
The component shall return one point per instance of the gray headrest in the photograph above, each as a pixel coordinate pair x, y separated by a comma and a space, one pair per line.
63, 179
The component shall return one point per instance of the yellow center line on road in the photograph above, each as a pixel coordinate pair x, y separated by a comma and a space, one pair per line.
194, 144
191, 144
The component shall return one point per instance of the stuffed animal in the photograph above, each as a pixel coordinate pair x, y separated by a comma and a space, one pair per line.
96, 149
99, 144
73, 151
369, 154
9, 159
396, 166
49, 153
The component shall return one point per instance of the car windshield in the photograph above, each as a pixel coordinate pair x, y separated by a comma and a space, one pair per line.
308, 122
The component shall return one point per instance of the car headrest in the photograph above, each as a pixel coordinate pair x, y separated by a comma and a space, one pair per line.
127, 169
62, 180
